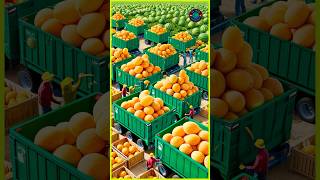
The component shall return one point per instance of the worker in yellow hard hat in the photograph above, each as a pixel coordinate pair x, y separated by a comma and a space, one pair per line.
151, 161
260, 166
69, 90
45, 93
191, 112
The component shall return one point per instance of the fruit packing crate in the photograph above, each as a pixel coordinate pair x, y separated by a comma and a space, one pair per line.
137, 30
200, 55
123, 164
41, 52
181, 106
131, 44
146, 131
116, 96
181, 46
284, 59
150, 172
30, 161
244, 176
153, 37
119, 64
127, 79
233, 141
176, 160
118, 23
115, 135
21, 111
116, 173
198, 80
302, 162
163, 63
136, 159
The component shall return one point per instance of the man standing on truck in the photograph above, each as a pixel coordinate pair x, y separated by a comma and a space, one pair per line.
260, 166
45, 93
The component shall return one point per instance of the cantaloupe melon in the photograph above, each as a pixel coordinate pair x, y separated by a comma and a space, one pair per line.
89, 142
101, 115
257, 79
49, 138
91, 25
203, 147
140, 114
264, 12
257, 22
186, 149
70, 35
80, 122
178, 131
230, 116
235, 100
254, 99
192, 139
197, 156
244, 57
106, 38
52, 26
273, 85
305, 36
167, 137
226, 60
176, 141
95, 165
282, 31
206, 161
146, 100
219, 108
66, 12
191, 128
204, 135
85, 6
239, 80
262, 71
232, 39
64, 127
267, 94
276, 15
297, 14
92, 46
312, 18
219, 82
42, 16
68, 153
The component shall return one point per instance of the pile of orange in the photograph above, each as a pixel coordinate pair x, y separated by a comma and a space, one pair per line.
140, 67
183, 36
191, 140
115, 159
119, 54
136, 22
118, 16
125, 35
158, 29
177, 86
145, 106
124, 175
199, 68
163, 50
127, 149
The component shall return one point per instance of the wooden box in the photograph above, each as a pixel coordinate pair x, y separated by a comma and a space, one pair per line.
116, 173
117, 95
115, 135
150, 172
124, 163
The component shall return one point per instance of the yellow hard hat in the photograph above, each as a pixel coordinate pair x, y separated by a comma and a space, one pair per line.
151, 154
190, 106
47, 76
259, 143
124, 85
66, 81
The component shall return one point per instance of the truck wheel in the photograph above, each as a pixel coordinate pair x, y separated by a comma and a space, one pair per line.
175, 176
150, 146
306, 109
205, 95
129, 135
163, 170
117, 126
140, 143
29, 80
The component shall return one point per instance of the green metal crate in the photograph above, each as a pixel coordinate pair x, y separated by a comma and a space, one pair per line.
119, 23
144, 130
119, 64
126, 78
153, 37
244, 176
163, 63
41, 52
200, 55
231, 142
179, 162
198, 80
30, 161
181, 46
284, 59
131, 44
182, 106
136, 30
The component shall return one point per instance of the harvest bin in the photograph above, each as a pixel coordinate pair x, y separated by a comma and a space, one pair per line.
137, 30
181, 46
176, 160
200, 55
284, 59
163, 63
118, 23
198, 80
127, 79
232, 143
153, 37
29, 161
182, 106
119, 64
131, 44
144, 130
41, 51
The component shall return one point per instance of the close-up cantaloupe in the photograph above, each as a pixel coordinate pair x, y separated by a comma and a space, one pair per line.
68, 153
49, 138
95, 165
66, 12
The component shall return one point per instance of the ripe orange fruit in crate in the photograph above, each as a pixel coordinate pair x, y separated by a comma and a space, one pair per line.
163, 50
136, 22
118, 16
125, 35
158, 29
205, 49
183, 36
199, 68
119, 54
127, 149
140, 67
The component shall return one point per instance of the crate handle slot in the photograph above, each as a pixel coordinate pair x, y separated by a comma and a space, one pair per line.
250, 133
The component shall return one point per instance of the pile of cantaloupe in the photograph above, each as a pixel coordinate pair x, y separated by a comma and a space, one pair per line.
163, 50
13, 97
145, 106
177, 86
239, 85
118, 16
191, 140
82, 141
127, 149
140, 67
118, 54
136, 22
125, 35
292, 20
182, 36
123, 175
200, 67
73, 22
158, 29
115, 159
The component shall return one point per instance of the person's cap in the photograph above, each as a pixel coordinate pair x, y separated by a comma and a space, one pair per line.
151, 155
47, 76
124, 85
190, 106
260, 144
67, 80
